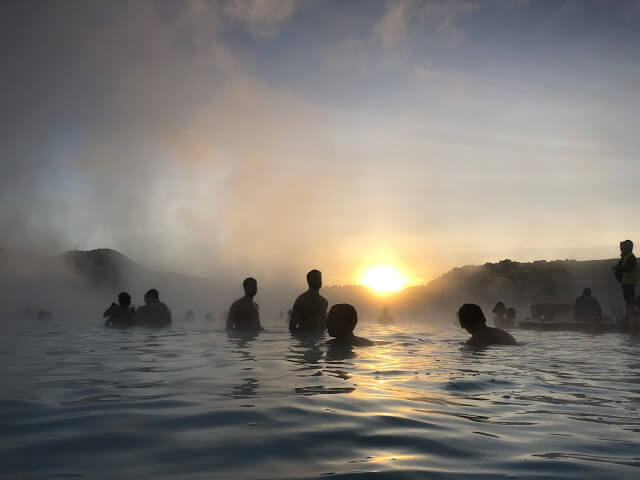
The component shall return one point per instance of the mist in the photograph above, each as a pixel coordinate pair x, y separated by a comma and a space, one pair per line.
227, 139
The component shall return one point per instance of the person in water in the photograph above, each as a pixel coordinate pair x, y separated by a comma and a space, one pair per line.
385, 318
472, 319
310, 309
120, 314
586, 309
243, 314
626, 272
499, 315
341, 322
153, 313
510, 317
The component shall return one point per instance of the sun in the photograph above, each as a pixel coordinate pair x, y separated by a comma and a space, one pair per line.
383, 279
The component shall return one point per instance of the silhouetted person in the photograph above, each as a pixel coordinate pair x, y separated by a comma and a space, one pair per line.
385, 317
153, 313
243, 314
310, 309
626, 272
499, 315
190, 316
472, 319
120, 314
341, 322
587, 309
510, 317
208, 317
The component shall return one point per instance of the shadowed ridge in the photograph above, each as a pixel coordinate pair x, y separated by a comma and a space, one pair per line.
102, 266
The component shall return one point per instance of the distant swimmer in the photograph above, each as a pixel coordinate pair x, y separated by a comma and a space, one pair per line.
472, 319
310, 309
510, 317
385, 318
190, 316
499, 315
244, 314
153, 313
341, 322
586, 309
120, 314
626, 272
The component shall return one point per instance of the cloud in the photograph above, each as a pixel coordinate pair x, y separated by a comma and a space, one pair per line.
412, 20
261, 17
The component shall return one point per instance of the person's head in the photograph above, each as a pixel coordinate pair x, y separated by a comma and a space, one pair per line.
586, 292
499, 308
124, 299
626, 246
471, 318
151, 296
342, 320
250, 286
510, 312
314, 279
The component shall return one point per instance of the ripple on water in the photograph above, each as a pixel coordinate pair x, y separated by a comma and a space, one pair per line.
202, 404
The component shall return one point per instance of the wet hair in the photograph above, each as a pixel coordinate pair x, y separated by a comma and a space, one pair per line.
152, 294
627, 243
124, 299
511, 312
586, 291
499, 307
247, 281
342, 319
312, 274
471, 315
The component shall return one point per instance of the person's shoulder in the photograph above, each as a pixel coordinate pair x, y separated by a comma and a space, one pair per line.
501, 336
302, 297
362, 342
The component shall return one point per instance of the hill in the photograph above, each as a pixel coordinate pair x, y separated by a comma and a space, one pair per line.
86, 281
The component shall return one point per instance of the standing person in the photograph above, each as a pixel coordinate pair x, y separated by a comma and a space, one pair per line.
510, 317
120, 314
244, 314
626, 272
310, 309
587, 309
499, 315
153, 313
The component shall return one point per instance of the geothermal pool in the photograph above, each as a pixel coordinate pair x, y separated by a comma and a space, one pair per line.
194, 402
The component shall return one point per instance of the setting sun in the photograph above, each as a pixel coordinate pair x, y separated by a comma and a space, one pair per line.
383, 279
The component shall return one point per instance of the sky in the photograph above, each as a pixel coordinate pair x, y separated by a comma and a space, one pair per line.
269, 137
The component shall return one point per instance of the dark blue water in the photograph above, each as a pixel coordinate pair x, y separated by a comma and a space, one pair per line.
193, 402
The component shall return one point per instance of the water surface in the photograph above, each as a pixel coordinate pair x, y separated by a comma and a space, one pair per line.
194, 402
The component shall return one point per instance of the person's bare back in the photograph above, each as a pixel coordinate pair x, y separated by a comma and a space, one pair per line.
310, 309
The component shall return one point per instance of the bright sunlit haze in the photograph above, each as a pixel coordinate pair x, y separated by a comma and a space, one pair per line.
383, 279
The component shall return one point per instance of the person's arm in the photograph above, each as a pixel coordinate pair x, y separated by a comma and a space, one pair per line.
108, 311
230, 318
325, 307
295, 313
168, 317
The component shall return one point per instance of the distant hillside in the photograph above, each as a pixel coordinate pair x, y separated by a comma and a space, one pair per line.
89, 280
515, 283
